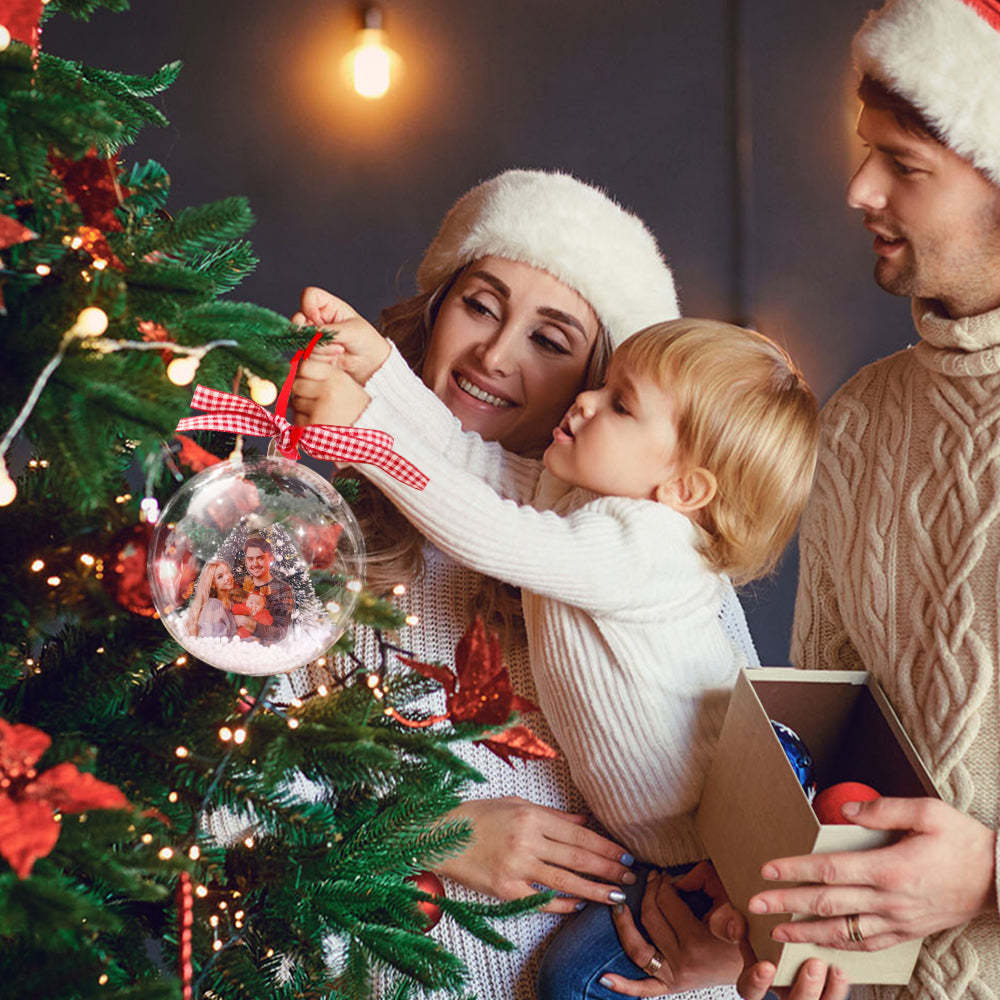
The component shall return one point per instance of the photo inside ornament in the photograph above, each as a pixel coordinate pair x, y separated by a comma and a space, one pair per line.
255, 567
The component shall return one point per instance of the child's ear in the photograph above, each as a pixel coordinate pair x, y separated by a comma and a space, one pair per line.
688, 492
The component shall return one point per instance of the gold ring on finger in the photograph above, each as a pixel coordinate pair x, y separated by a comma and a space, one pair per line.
653, 966
854, 928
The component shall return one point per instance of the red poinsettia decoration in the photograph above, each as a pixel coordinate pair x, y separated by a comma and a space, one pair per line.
191, 454
28, 800
22, 18
12, 232
93, 184
479, 690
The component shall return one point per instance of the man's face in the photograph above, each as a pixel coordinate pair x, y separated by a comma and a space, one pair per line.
936, 219
258, 563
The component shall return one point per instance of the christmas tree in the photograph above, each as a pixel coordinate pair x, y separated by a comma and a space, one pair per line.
125, 763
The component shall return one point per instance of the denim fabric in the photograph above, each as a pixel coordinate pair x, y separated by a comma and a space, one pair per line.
587, 946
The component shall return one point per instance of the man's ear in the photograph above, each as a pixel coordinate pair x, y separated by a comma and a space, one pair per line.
688, 492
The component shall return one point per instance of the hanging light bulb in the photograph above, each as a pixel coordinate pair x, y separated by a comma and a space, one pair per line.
371, 64
8, 488
181, 371
4, 38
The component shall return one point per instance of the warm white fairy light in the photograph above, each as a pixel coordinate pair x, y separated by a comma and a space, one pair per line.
249, 842
181, 371
239, 736
333, 607
293, 723
4, 38
181, 752
262, 390
37, 566
165, 853
200, 891
373, 680
90, 322
43, 270
223, 905
399, 589
216, 945
181, 660
225, 734
87, 559
172, 797
146, 838
100, 649
412, 620
149, 510
102, 979
214, 920
354, 586
194, 852
8, 488
54, 581
322, 690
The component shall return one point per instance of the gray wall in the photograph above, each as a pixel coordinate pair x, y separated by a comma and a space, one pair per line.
743, 184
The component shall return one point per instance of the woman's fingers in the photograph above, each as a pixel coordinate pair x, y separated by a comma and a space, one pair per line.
814, 981
321, 308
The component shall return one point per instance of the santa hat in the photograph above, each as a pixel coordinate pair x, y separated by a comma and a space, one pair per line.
573, 231
943, 56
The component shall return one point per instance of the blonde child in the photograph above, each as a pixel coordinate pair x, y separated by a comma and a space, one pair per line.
691, 462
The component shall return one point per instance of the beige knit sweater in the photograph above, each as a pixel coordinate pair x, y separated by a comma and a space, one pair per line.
900, 575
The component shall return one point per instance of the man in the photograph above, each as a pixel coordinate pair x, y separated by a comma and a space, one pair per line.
269, 599
900, 546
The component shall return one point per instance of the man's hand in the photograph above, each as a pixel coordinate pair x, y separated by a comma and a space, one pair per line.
939, 875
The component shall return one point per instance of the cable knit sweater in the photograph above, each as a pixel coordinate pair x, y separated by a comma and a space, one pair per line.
900, 575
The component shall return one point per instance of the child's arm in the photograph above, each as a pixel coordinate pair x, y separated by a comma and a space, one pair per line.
359, 351
607, 556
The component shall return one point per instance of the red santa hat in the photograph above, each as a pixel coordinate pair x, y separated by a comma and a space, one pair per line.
943, 56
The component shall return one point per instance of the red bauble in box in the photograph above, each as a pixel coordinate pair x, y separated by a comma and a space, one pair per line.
828, 803
428, 882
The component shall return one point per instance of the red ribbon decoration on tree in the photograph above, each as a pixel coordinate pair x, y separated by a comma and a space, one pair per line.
479, 690
238, 415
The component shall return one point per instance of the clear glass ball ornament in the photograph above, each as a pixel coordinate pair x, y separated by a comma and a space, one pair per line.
256, 566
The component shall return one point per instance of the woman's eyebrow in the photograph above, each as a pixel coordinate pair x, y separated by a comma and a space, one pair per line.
493, 280
562, 317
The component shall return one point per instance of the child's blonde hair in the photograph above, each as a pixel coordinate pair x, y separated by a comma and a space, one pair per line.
745, 413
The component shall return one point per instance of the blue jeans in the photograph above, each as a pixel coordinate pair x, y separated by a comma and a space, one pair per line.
587, 946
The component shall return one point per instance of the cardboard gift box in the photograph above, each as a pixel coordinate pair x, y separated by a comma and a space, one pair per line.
753, 808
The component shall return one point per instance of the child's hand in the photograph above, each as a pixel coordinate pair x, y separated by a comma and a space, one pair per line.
360, 347
255, 603
340, 399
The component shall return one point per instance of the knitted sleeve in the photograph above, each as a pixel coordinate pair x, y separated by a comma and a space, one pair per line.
409, 401
820, 639
607, 556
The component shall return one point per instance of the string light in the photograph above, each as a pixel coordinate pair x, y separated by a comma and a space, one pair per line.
200, 891
194, 852
87, 559
322, 690
262, 390
399, 589
146, 838
239, 736
149, 510
293, 723
354, 586
54, 581
4, 39
249, 843
37, 566
166, 853
90, 322
412, 620
181, 371
181, 752
42, 270
172, 797
8, 488
102, 979
225, 734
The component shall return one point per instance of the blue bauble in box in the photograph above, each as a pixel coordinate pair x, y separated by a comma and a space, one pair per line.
798, 756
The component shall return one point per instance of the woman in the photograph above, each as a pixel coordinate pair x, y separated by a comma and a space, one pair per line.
210, 613
532, 280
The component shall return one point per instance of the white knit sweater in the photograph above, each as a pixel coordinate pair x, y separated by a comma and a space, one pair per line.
440, 600
900, 575
630, 662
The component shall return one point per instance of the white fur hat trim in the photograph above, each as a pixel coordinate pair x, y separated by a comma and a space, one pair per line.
573, 231
944, 57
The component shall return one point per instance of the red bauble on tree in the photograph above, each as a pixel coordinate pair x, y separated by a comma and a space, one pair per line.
125, 570
429, 882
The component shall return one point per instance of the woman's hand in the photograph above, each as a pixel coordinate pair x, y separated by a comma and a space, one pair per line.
690, 955
517, 845
939, 875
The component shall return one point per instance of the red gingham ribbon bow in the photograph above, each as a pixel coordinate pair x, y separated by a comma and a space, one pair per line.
238, 415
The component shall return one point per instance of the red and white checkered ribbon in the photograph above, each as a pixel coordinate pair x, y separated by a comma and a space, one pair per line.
238, 415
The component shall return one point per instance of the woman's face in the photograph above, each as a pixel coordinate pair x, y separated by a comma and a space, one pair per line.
223, 578
509, 351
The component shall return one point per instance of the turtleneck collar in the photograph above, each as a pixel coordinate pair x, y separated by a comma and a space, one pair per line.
967, 346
